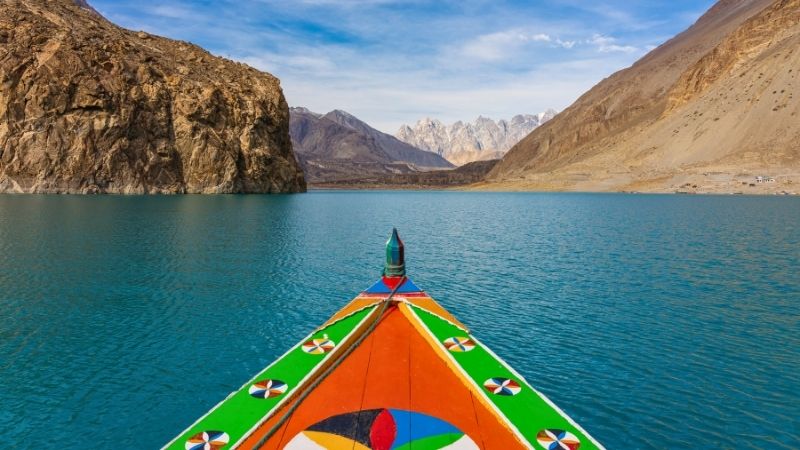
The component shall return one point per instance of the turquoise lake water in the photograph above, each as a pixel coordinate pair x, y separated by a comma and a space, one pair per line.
654, 321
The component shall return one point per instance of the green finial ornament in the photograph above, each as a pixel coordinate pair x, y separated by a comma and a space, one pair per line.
395, 257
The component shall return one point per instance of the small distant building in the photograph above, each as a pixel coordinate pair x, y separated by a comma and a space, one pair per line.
762, 179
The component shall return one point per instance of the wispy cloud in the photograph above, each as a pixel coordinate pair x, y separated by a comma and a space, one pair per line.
505, 44
348, 3
608, 44
394, 61
175, 12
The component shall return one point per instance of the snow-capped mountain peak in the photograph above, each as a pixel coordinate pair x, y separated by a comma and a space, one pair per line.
482, 139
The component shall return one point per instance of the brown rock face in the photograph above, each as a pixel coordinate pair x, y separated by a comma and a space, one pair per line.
711, 108
88, 107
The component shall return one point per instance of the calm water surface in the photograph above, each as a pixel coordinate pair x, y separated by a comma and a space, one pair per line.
654, 321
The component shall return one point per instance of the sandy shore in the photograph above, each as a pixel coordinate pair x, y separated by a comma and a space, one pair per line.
707, 182
720, 183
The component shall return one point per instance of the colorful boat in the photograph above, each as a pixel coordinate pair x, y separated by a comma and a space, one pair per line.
391, 370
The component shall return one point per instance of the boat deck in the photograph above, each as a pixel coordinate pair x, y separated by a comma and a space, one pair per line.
391, 370
387, 373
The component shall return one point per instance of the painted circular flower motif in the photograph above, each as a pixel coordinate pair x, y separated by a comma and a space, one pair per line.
553, 439
459, 344
502, 386
268, 388
318, 346
208, 440
380, 429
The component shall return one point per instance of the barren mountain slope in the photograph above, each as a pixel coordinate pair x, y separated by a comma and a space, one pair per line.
397, 150
317, 137
88, 107
711, 108
337, 146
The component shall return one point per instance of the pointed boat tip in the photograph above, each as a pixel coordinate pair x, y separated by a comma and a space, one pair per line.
395, 235
395, 256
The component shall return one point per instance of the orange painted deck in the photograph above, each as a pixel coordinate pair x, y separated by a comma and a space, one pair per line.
423, 301
392, 370
395, 367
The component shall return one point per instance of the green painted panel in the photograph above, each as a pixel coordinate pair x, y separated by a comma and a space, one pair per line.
241, 411
527, 410
431, 443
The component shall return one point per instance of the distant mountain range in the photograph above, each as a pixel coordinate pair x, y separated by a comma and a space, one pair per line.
707, 111
338, 146
483, 139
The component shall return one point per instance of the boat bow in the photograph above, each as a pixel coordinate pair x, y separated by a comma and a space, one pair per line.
391, 370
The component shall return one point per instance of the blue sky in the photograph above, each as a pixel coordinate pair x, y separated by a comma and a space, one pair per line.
391, 62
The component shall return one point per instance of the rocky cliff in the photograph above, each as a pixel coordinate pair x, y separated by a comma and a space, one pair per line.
484, 139
88, 107
708, 111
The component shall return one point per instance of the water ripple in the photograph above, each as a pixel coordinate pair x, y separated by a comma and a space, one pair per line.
655, 321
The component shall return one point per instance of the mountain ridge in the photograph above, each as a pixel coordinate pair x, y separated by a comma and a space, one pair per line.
693, 112
481, 139
338, 145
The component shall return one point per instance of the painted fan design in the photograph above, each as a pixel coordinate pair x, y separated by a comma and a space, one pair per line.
459, 344
553, 439
268, 388
318, 346
208, 440
502, 386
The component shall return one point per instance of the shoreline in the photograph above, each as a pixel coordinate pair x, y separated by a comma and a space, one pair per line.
387, 188
709, 181
468, 189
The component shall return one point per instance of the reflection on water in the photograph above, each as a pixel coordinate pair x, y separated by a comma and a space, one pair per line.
655, 321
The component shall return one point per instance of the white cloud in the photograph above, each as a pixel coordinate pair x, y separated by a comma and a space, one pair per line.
347, 3
386, 100
271, 62
504, 44
565, 44
607, 44
175, 12
393, 61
